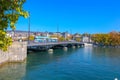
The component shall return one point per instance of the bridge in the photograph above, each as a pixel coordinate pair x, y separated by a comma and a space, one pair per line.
36, 46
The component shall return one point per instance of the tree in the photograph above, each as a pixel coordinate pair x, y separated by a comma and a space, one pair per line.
61, 38
77, 39
86, 34
31, 38
115, 38
54, 36
10, 11
110, 39
69, 37
101, 39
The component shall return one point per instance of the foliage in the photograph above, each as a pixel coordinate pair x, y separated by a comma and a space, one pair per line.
111, 39
31, 37
114, 38
77, 39
54, 36
86, 34
10, 11
61, 39
5, 40
69, 38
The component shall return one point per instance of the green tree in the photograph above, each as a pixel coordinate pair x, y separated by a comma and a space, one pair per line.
31, 37
10, 11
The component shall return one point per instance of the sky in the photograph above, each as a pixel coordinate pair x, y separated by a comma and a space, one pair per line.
74, 16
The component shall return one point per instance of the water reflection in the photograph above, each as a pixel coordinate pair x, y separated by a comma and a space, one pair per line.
88, 53
13, 71
40, 58
107, 52
107, 57
38, 64
77, 64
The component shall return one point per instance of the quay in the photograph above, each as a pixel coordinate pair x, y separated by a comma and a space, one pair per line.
17, 52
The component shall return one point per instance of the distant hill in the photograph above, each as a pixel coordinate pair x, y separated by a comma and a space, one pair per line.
19, 31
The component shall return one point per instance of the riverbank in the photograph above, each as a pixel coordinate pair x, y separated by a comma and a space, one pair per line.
17, 52
105, 46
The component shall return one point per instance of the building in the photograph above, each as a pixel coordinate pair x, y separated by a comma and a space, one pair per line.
43, 39
77, 37
86, 39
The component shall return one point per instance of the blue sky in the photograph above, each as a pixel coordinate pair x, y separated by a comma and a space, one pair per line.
82, 16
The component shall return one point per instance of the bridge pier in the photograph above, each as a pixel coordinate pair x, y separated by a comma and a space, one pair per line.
82, 45
73, 47
78, 46
48, 46
65, 48
50, 50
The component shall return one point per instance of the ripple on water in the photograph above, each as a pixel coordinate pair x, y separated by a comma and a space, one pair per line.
73, 64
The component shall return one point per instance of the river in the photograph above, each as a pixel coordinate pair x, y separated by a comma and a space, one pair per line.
74, 64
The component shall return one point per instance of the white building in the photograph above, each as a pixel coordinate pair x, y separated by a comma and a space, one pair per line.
86, 39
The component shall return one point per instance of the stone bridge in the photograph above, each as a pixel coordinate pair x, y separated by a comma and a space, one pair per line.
36, 46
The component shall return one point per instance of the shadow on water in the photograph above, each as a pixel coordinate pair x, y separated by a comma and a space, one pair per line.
41, 58
40, 62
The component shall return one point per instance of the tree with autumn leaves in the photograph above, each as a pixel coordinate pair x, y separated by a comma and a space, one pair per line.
10, 11
110, 39
115, 38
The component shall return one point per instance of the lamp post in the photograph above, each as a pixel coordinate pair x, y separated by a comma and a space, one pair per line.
57, 31
29, 29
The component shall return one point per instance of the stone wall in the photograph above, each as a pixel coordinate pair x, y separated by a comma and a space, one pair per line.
17, 52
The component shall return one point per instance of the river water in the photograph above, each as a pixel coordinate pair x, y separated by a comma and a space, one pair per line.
74, 64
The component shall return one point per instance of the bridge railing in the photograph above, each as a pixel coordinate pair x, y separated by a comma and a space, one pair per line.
32, 43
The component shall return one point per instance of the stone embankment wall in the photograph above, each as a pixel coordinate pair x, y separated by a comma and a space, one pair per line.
17, 52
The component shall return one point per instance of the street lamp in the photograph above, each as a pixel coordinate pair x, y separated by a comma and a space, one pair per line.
57, 31
29, 28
